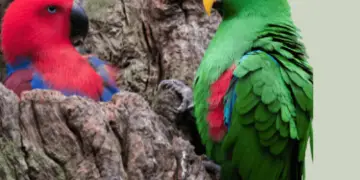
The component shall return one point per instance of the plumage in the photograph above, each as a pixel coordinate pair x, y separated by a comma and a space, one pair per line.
216, 105
36, 42
267, 107
23, 76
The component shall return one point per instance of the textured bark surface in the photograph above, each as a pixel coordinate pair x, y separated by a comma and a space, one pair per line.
138, 135
46, 135
150, 40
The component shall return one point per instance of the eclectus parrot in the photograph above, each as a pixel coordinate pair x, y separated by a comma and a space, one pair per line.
36, 42
253, 92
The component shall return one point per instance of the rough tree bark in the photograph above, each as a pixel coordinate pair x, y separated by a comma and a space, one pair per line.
150, 40
139, 134
46, 135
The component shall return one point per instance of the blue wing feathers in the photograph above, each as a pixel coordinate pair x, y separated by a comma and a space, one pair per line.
109, 82
38, 82
21, 76
107, 95
96, 62
229, 102
20, 64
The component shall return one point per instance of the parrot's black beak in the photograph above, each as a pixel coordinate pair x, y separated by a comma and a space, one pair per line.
79, 23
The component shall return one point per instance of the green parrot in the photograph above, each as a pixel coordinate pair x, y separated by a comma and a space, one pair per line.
253, 92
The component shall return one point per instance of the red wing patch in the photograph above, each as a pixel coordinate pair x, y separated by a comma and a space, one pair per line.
215, 118
19, 81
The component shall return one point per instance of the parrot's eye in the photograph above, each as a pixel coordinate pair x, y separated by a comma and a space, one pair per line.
51, 9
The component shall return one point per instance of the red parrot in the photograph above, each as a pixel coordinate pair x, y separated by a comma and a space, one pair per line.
36, 43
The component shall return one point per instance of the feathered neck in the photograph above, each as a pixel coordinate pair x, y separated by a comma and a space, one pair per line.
262, 8
239, 29
57, 57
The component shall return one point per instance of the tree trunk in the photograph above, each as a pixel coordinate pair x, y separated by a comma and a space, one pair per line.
150, 40
139, 134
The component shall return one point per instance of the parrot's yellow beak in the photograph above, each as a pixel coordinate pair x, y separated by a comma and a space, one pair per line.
208, 4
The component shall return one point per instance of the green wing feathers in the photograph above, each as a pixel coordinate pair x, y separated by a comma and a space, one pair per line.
282, 41
272, 117
271, 120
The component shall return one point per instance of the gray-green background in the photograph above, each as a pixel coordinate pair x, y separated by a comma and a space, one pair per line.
330, 31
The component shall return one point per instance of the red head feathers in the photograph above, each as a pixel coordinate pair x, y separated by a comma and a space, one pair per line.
30, 25
39, 31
